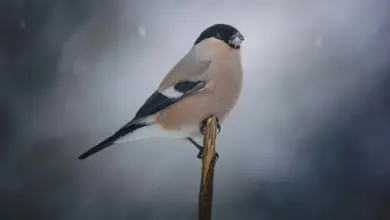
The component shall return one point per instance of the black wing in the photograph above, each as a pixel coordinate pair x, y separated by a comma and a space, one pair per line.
155, 103
159, 101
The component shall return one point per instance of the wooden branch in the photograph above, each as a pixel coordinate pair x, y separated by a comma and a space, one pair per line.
208, 163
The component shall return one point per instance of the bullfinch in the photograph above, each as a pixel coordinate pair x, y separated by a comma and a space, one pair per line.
206, 81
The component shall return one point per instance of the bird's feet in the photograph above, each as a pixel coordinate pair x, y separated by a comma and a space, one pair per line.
200, 148
203, 126
200, 155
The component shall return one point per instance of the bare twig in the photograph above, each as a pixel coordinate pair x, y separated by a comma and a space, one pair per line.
208, 163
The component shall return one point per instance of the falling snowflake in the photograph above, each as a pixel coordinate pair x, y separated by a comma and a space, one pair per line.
22, 25
141, 31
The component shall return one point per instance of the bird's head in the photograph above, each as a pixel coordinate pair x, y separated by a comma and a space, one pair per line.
224, 32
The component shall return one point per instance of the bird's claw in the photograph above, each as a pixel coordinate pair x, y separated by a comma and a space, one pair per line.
216, 157
203, 126
200, 155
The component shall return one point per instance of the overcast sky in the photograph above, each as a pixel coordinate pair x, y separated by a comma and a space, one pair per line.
308, 138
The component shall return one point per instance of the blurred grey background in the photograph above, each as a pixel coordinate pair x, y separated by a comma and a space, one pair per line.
308, 139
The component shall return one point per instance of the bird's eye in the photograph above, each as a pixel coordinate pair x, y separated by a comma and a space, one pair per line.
218, 36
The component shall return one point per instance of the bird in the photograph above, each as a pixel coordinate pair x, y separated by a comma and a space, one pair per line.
205, 82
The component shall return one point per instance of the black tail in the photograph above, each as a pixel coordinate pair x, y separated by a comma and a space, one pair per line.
110, 140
